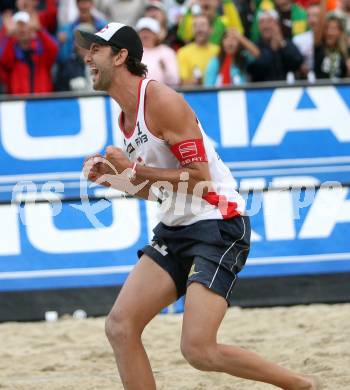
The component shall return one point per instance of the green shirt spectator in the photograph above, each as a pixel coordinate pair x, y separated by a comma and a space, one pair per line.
287, 10
219, 23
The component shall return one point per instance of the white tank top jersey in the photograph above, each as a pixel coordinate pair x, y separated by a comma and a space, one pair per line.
175, 208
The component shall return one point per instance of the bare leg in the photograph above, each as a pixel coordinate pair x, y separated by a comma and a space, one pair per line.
147, 290
204, 311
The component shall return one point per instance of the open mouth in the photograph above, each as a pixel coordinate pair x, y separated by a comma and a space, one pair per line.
94, 73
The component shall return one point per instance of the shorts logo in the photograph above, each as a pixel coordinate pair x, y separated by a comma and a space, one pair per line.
193, 271
188, 149
161, 249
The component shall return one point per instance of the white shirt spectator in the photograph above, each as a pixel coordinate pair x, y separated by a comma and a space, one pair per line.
160, 59
122, 11
305, 43
68, 12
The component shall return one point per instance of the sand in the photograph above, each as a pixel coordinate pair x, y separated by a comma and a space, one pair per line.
74, 354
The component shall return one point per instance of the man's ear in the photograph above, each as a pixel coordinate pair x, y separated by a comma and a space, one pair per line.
121, 57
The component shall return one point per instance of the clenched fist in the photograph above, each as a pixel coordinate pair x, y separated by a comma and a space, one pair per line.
112, 170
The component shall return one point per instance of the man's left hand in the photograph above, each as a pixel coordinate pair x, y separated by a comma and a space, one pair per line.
117, 158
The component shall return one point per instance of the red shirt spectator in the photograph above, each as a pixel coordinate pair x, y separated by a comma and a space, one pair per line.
27, 57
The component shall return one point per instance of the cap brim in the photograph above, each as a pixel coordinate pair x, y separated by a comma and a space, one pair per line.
85, 39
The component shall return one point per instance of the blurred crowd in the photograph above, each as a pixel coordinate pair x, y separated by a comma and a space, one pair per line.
186, 42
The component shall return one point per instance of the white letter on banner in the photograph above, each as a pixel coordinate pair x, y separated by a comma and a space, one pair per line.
282, 116
152, 210
123, 233
303, 193
329, 208
19, 144
278, 215
233, 113
10, 243
117, 134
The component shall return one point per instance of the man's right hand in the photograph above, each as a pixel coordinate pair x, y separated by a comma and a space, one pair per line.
94, 167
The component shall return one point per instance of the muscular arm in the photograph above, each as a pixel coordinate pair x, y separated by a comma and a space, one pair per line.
170, 118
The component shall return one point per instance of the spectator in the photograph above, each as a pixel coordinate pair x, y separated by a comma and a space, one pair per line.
330, 47
194, 57
293, 18
343, 11
305, 41
27, 57
229, 19
156, 9
229, 66
160, 59
123, 11
73, 74
66, 33
278, 56
68, 12
47, 16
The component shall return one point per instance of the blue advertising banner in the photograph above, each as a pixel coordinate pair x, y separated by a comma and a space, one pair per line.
270, 138
263, 133
57, 246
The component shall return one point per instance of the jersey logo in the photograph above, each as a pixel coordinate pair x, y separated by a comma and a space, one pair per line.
188, 149
130, 149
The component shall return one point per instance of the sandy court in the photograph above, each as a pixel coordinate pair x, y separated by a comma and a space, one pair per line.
74, 354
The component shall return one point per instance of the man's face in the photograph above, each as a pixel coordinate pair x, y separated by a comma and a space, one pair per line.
23, 34
313, 16
267, 25
100, 60
148, 38
283, 5
201, 29
84, 7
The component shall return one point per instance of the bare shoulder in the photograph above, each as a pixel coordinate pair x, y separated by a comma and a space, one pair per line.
167, 110
160, 97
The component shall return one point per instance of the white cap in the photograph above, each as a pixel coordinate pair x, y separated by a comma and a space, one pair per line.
114, 34
21, 16
271, 13
148, 24
155, 4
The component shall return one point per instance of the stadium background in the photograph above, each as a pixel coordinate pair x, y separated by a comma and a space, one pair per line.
271, 136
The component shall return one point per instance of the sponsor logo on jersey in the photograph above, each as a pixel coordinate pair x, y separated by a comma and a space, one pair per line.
188, 149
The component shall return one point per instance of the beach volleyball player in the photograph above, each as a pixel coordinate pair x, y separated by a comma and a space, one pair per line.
202, 241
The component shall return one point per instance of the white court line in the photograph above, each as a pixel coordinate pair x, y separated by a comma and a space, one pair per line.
118, 269
127, 268
248, 173
298, 259
238, 164
257, 172
289, 171
40, 176
290, 162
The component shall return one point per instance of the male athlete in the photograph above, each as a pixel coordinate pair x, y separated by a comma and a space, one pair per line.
202, 241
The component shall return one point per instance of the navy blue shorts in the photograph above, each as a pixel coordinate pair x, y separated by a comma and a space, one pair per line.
210, 252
